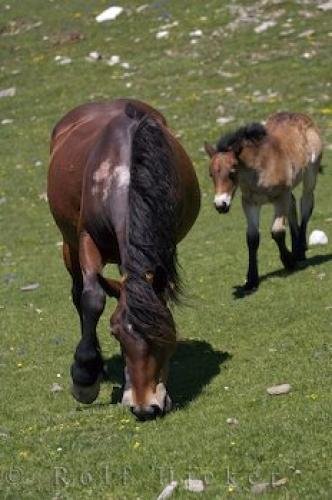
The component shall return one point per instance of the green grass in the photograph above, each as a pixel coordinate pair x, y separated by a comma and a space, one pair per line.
50, 446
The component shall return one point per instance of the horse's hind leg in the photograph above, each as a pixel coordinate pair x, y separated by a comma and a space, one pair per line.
294, 226
88, 364
71, 260
278, 232
307, 204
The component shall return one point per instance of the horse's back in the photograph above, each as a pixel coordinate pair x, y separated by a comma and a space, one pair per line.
298, 136
84, 136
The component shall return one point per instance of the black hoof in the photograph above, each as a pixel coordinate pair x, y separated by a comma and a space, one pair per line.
289, 263
86, 394
250, 287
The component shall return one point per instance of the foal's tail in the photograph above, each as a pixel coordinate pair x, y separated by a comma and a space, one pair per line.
150, 261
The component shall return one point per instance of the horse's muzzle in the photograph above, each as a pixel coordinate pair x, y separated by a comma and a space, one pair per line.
223, 208
150, 412
146, 412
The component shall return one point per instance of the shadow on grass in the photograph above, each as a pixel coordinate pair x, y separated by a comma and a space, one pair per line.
193, 366
239, 291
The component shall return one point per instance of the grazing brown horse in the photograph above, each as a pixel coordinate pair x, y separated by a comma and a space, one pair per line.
268, 162
122, 190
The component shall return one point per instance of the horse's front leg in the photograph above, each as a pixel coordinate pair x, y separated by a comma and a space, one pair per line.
278, 231
294, 227
88, 364
252, 213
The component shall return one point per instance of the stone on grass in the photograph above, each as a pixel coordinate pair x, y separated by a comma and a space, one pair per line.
62, 60
276, 390
94, 56
194, 485
109, 14
113, 60
162, 34
30, 287
10, 92
43, 196
4, 433
6, 121
222, 120
264, 26
325, 6
168, 490
280, 482
232, 421
196, 33
318, 237
56, 388
259, 488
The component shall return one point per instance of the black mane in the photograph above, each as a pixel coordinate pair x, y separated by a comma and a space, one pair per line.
151, 263
233, 141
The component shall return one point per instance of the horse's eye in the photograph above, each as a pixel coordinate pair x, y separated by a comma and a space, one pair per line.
232, 176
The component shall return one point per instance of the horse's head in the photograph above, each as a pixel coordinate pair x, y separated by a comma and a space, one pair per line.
223, 171
146, 360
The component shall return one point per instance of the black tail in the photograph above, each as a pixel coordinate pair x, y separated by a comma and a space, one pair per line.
150, 256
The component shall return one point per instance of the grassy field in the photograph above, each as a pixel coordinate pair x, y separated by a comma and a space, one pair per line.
232, 349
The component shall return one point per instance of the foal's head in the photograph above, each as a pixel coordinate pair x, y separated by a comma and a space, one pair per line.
223, 172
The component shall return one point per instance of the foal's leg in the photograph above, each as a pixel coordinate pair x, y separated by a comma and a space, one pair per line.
281, 211
252, 215
87, 367
307, 205
294, 226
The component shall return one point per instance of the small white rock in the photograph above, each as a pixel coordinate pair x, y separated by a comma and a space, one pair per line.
141, 8
276, 390
62, 60
222, 120
318, 237
168, 490
43, 197
6, 121
30, 288
196, 33
56, 388
194, 485
264, 26
109, 14
325, 6
94, 56
113, 60
8, 92
259, 488
162, 34
306, 33
232, 421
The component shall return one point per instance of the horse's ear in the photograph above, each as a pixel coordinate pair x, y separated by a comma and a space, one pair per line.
209, 149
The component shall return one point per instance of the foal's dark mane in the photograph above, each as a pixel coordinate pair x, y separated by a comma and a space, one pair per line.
150, 255
234, 141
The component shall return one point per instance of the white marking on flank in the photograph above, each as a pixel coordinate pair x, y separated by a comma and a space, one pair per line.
102, 172
220, 199
313, 157
106, 174
122, 175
